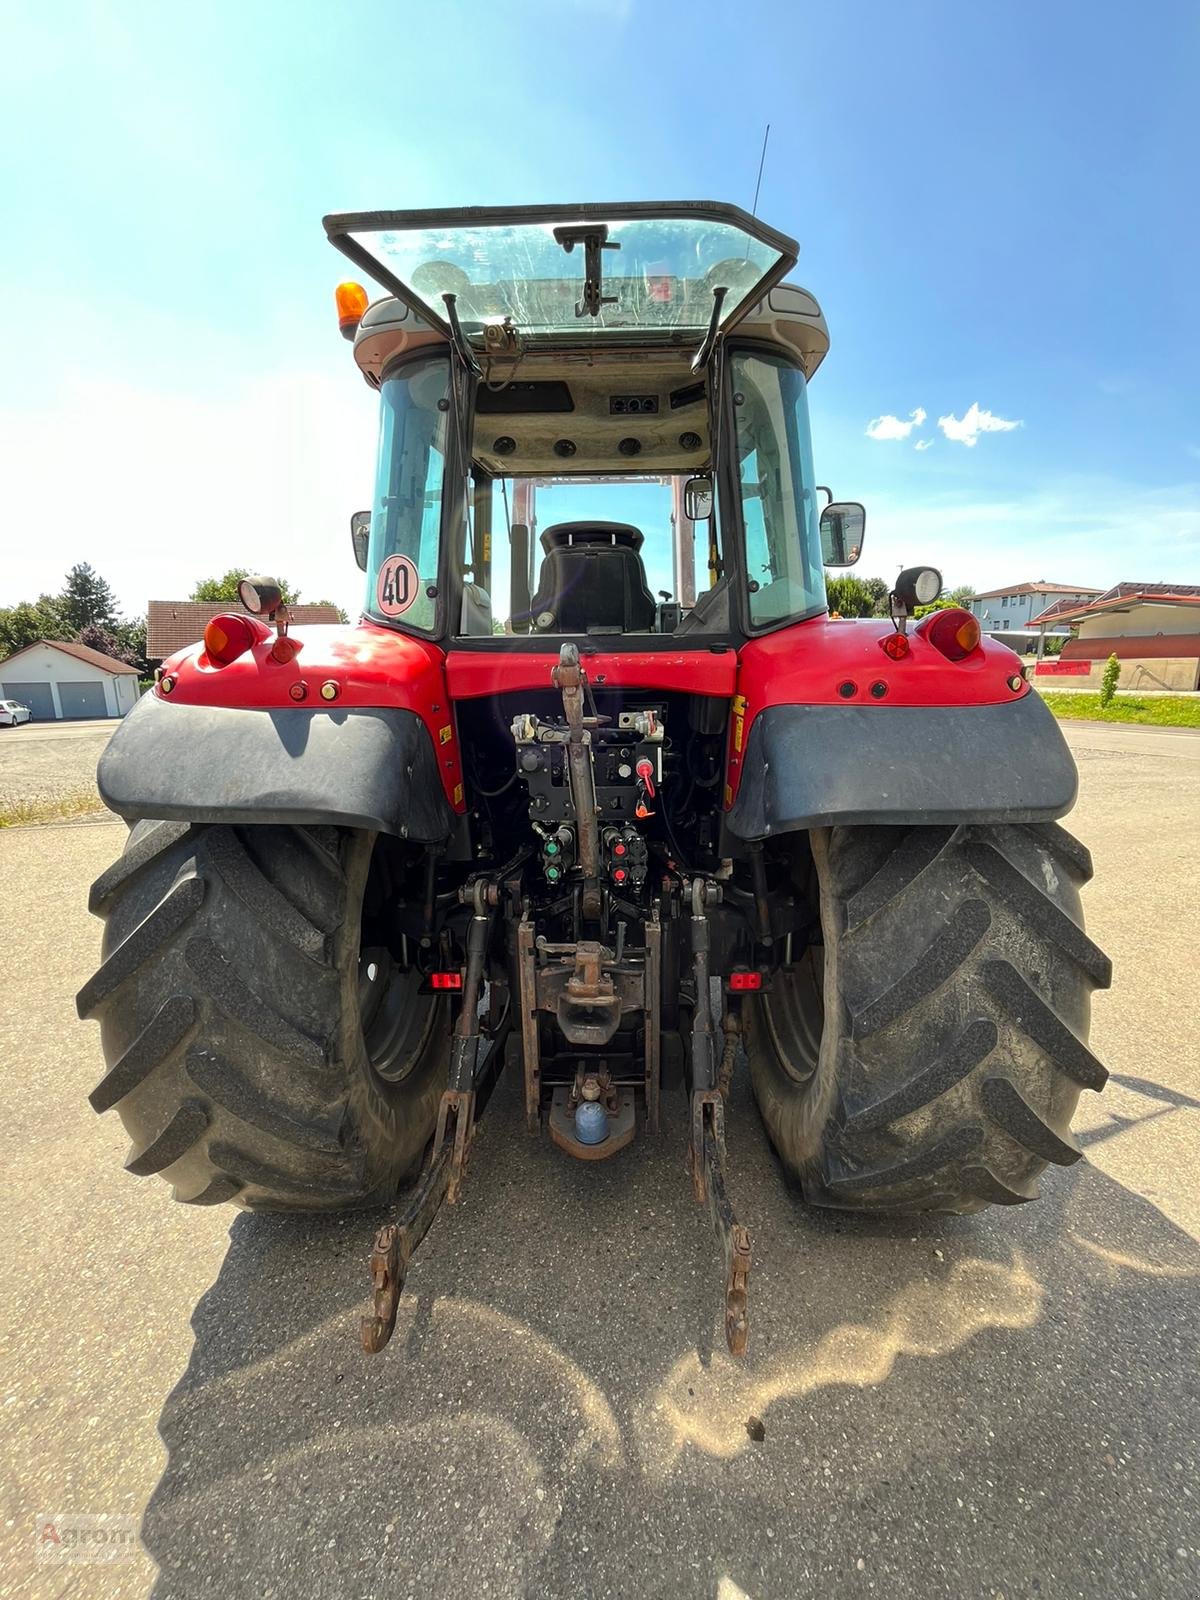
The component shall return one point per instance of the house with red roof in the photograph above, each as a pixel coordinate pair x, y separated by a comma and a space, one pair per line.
174, 624
1153, 629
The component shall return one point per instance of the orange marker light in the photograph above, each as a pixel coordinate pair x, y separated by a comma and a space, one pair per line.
352, 302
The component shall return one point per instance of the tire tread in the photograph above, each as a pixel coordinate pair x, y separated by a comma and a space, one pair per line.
220, 997
950, 1077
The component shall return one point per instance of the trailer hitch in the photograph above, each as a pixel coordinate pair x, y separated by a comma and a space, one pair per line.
708, 1180
442, 1179
710, 1074
396, 1241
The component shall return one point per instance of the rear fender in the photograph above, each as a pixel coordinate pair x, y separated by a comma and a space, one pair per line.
828, 729
355, 729
357, 768
821, 766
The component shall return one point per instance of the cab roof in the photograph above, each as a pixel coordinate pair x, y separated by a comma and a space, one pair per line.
659, 272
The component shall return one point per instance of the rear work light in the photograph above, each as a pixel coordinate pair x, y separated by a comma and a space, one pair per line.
954, 632
740, 982
228, 637
445, 980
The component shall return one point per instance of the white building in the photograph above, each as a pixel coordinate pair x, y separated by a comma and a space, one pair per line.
60, 680
1008, 614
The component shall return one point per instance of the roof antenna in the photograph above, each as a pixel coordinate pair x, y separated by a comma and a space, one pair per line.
762, 160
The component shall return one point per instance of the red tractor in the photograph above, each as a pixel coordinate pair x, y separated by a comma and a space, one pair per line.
597, 775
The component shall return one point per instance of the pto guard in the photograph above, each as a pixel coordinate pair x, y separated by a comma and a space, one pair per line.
352, 766
816, 766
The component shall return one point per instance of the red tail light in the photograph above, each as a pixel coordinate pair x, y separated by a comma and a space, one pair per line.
954, 632
740, 982
445, 980
228, 637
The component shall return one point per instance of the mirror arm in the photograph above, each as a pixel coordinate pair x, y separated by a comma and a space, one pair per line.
828, 493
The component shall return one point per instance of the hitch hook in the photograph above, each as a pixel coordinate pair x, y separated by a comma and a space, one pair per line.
708, 1179
443, 1176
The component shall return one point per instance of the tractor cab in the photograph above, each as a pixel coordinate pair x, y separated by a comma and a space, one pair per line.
593, 426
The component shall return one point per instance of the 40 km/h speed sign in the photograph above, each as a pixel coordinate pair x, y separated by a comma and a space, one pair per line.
397, 586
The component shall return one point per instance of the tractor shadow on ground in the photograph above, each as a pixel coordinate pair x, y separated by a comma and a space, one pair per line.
1006, 1402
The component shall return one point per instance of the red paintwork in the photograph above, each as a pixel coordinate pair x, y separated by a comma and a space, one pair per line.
804, 664
800, 665
471, 674
372, 666
1064, 669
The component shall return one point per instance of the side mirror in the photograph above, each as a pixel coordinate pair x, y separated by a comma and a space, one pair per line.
260, 596
842, 524
698, 499
360, 536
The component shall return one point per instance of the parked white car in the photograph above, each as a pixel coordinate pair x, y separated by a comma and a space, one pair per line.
12, 712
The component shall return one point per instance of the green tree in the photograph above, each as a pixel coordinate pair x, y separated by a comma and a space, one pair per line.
226, 587
849, 597
131, 636
964, 593
86, 598
878, 591
1108, 683
875, 590
28, 621
108, 643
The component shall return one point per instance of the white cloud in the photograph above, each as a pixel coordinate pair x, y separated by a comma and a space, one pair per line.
888, 427
967, 428
924, 444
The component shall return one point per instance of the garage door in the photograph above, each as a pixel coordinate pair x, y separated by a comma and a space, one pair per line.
82, 699
36, 696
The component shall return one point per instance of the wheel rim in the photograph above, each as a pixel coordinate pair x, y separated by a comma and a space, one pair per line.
794, 1013
395, 1016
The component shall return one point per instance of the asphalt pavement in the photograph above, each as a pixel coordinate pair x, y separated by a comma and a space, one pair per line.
50, 760
997, 1406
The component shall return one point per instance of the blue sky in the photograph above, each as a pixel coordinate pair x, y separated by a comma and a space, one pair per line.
996, 206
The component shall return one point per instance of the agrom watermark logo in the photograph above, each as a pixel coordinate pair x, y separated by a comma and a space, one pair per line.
81, 1536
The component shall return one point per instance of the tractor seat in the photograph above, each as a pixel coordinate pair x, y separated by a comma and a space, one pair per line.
592, 577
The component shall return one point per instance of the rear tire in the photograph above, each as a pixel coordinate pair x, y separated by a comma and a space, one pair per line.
955, 984
251, 1055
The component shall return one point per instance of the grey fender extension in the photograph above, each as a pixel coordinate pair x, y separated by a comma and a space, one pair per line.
821, 766
353, 767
